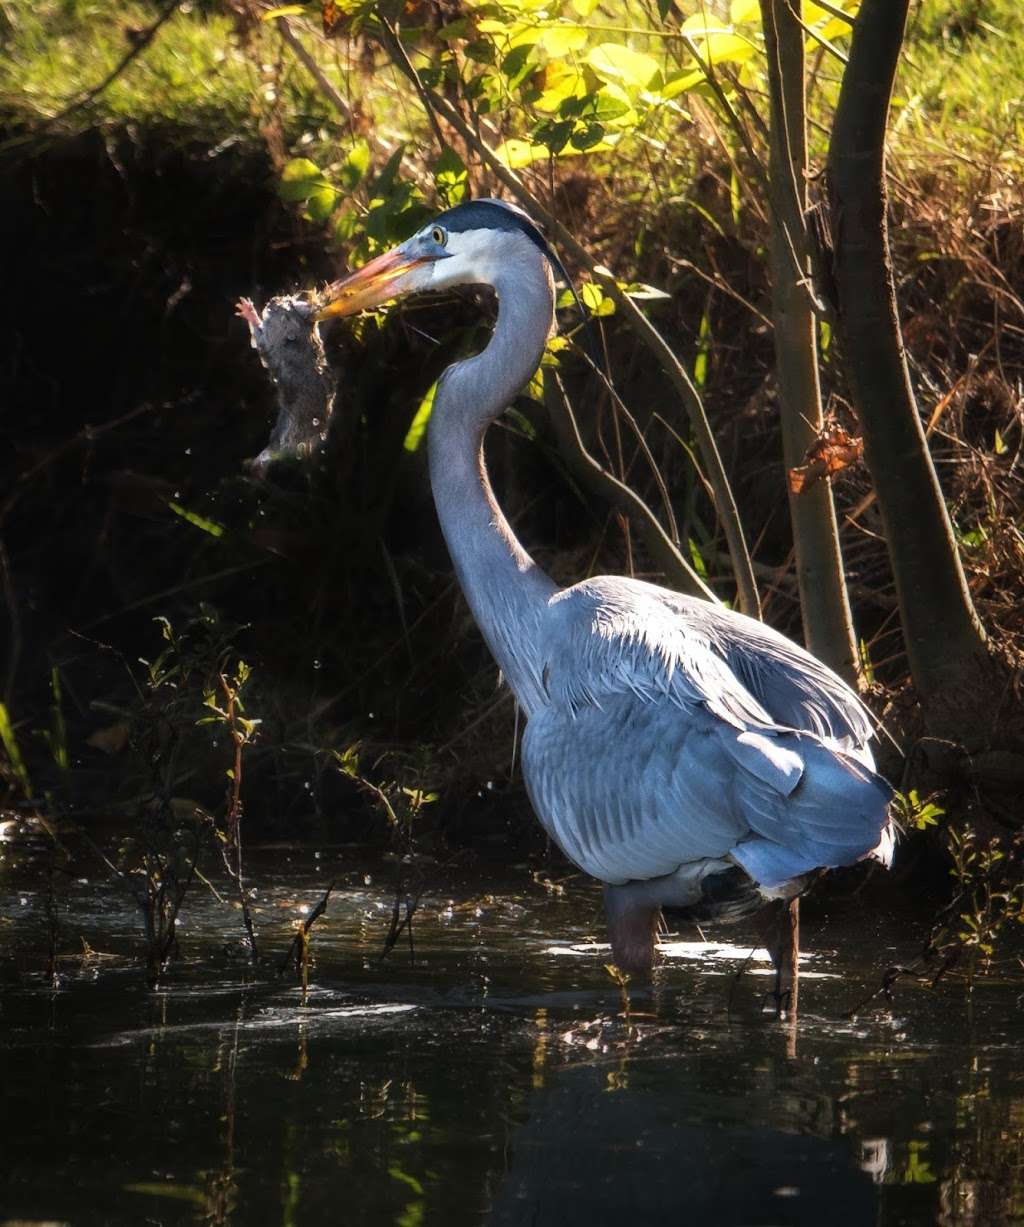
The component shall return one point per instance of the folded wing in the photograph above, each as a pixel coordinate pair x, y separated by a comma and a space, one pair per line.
670, 736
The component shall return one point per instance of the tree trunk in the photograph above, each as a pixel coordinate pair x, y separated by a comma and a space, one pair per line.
828, 625
944, 638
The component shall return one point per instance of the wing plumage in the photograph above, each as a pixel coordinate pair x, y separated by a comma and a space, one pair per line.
674, 732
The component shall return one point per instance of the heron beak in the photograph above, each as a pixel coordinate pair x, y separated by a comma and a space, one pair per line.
373, 284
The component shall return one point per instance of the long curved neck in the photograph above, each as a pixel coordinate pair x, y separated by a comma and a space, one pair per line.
506, 590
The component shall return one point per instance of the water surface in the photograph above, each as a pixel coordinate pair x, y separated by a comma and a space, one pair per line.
490, 1078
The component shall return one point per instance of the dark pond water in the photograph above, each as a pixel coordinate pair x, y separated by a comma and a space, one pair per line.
491, 1080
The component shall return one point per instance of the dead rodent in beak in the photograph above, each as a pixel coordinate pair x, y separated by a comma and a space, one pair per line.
287, 339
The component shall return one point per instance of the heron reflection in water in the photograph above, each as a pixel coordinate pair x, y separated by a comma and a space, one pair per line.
693, 760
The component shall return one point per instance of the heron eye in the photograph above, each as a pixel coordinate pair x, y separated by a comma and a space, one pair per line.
439, 235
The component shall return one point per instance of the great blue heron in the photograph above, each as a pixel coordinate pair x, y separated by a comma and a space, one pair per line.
688, 757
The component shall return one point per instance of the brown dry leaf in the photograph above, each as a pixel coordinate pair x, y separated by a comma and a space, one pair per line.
112, 739
834, 449
333, 17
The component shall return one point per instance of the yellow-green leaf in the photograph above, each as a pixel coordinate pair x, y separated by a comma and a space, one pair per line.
193, 517
592, 295
417, 429
300, 179
284, 10
679, 85
631, 69
559, 40
702, 24
724, 47
559, 81
10, 744
744, 10
516, 153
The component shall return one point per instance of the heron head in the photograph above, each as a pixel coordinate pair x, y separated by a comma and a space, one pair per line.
476, 243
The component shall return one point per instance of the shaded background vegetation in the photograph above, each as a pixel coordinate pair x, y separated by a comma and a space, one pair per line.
132, 399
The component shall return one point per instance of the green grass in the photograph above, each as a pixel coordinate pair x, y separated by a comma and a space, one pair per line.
962, 83
196, 75
961, 88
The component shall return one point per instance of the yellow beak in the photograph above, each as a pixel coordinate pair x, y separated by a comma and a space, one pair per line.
372, 285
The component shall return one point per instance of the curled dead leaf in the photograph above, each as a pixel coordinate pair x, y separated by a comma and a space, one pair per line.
834, 449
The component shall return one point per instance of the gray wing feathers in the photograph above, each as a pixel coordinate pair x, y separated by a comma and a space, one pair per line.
675, 732
630, 789
792, 685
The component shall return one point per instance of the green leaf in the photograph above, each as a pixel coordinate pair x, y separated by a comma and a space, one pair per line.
587, 136
559, 85
592, 295
207, 526
516, 153
299, 180
450, 177
355, 165
535, 391
516, 65
554, 135
735, 198
681, 83
700, 363
479, 51
866, 665
58, 736
10, 744
697, 558
320, 203
559, 40
414, 435
1000, 444
724, 47
345, 226
631, 69
607, 104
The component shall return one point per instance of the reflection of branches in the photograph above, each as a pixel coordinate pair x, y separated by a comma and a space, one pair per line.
222, 1189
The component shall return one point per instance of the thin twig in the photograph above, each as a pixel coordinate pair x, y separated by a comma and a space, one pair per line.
662, 547
234, 816
406, 66
295, 949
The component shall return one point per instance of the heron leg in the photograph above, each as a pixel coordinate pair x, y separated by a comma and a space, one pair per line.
778, 927
632, 926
